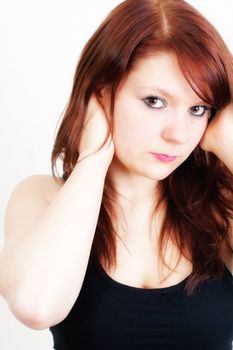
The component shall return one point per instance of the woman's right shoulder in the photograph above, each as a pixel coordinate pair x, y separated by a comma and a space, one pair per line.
27, 202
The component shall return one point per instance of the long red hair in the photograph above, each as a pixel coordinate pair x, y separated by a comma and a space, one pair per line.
197, 211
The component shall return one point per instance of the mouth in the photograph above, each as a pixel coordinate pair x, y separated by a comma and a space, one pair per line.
164, 157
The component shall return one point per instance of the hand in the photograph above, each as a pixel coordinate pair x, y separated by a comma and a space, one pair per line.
218, 137
94, 131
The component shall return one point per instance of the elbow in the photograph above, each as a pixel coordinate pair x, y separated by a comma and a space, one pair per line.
32, 317
34, 322
35, 315
35, 311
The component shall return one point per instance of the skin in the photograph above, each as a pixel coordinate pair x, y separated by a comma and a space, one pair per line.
169, 125
218, 137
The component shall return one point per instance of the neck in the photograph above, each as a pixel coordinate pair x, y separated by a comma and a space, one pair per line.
134, 191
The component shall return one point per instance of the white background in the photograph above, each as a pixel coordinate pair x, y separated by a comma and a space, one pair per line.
40, 42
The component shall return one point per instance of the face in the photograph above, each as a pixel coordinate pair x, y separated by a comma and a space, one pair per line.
158, 118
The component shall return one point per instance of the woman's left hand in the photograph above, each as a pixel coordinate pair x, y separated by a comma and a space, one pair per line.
218, 137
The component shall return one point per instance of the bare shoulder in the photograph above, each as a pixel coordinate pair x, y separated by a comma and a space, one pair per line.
27, 202
40, 186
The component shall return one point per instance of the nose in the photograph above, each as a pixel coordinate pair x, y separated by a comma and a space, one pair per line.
176, 130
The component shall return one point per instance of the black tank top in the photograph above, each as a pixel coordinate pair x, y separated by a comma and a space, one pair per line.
109, 315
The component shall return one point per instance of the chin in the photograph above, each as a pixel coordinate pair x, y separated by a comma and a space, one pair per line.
158, 174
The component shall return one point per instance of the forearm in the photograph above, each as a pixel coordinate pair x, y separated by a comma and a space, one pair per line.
44, 270
218, 137
224, 151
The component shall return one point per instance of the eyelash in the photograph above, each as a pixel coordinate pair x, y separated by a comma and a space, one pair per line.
205, 109
156, 98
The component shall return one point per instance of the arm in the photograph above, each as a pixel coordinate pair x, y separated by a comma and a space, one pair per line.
218, 139
48, 242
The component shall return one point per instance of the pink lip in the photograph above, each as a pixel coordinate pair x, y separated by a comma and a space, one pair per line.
164, 157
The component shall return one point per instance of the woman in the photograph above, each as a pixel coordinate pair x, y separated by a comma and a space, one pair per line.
133, 247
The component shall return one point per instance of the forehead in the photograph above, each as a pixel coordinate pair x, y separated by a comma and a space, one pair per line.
160, 71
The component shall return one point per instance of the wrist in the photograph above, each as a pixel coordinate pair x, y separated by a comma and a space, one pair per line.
99, 159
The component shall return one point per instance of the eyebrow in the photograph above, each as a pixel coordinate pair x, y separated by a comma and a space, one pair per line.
167, 94
159, 90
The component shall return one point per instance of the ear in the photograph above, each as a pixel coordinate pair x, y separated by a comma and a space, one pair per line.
103, 93
104, 97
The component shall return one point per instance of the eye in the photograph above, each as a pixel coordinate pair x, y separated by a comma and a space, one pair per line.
200, 111
155, 102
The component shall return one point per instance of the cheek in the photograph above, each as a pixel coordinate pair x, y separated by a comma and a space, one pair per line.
126, 134
129, 126
198, 131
